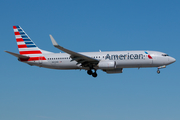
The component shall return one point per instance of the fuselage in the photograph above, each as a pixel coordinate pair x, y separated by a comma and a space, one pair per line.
123, 59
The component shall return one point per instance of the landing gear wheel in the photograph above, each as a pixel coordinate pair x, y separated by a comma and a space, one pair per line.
94, 74
89, 72
158, 71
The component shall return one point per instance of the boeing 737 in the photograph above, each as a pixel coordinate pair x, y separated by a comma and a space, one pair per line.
109, 62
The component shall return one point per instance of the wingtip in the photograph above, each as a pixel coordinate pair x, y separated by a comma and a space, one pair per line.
53, 40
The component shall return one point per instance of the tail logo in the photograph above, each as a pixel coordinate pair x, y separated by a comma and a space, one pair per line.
26, 46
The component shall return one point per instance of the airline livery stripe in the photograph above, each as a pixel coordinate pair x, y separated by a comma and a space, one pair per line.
22, 33
30, 52
16, 33
21, 43
14, 27
15, 30
19, 40
34, 58
18, 36
29, 42
26, 39
19, 30
29, 49
22, 46
17, 27
31, 46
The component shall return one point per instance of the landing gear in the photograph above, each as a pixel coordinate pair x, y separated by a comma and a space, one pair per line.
94, 74
158, 71
90, 72
160, 67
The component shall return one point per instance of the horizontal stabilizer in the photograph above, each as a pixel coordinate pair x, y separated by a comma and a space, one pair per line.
18, 55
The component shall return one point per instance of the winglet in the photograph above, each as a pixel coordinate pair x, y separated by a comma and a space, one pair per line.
53, 41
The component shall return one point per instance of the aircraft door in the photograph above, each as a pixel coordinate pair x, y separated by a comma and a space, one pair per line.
40, 59
154, 59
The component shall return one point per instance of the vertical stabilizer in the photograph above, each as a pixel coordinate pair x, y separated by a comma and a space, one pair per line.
25, 45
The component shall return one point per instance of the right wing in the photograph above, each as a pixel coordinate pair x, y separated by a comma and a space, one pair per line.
84, 60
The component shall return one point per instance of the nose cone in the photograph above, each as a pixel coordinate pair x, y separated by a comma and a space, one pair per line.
172, 60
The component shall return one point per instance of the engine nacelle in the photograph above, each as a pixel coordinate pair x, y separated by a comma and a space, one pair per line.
107, 65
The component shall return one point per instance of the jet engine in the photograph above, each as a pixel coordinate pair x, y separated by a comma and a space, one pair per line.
107, 65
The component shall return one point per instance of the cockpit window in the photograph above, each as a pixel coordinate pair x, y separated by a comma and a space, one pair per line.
165, 55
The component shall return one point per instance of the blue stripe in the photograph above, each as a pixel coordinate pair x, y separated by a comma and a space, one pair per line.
19, 30
26, 39
146, 52
17, 27
22, 33
24, 36
30, 45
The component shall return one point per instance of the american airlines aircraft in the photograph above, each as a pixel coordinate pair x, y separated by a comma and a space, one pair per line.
109, 62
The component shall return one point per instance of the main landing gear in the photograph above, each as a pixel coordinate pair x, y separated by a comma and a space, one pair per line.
90, 72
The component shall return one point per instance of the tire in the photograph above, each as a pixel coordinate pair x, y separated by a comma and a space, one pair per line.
89, 72
94, 75
158, 71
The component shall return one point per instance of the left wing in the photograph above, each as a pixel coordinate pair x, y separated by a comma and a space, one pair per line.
84, 60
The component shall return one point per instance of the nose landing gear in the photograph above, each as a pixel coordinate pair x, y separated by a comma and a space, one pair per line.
158, 71
90, 72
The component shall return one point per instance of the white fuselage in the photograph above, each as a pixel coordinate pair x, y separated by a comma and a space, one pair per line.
123, 59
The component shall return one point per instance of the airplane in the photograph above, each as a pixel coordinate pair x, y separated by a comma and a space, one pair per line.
109, 62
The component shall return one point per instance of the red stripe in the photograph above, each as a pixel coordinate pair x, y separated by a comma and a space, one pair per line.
22, 46
16, 33
14, 27
19, 40
34, 59
30, 52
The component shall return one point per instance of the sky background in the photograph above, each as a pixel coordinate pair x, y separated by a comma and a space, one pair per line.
33, 93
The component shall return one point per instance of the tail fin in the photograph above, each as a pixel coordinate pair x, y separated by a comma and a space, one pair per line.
25, 45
